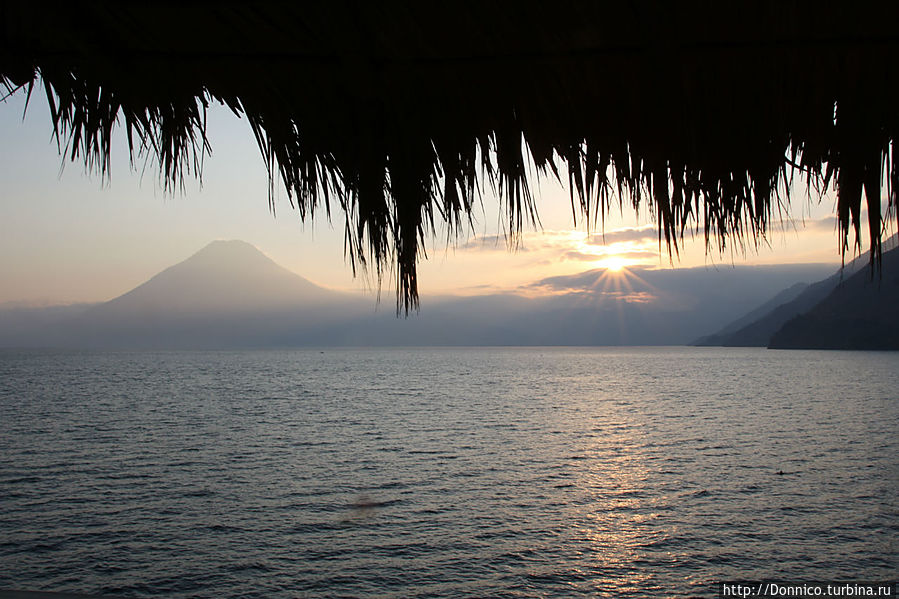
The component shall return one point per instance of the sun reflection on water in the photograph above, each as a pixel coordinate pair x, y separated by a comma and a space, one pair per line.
618, 516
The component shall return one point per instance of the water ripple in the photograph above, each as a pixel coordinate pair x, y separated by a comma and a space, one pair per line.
546, 472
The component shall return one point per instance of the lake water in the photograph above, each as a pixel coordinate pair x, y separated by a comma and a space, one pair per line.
508, 472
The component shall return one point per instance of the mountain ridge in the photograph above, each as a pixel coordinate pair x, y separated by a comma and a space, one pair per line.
222, 276
858, 314
227, 294
756, 328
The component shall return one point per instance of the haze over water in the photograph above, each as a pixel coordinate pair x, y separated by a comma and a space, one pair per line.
445, 472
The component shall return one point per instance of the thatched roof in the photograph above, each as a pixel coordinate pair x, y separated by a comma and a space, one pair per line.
400, 113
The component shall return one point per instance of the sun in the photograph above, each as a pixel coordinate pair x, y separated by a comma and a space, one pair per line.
614, 263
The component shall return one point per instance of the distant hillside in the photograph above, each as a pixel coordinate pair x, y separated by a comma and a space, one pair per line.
229, 294
224, 276
758, 333
772, 315
740, 330
756, 328
36, 326
860, 313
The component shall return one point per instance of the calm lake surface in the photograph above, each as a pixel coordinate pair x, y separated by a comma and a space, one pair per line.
547, 472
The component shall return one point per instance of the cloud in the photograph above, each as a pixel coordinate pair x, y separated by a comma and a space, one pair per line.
488, 242
594, 286
827, 223
587, 281
638, 254
544, 248
594, 296
529, 241
633, 234
574, 255
576, 282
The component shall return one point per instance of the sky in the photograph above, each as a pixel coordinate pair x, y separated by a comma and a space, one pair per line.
67, 235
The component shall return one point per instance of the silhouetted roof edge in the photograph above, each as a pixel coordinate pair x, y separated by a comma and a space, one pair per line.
400, 113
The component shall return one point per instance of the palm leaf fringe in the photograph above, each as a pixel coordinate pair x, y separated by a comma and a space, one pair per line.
401, 114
